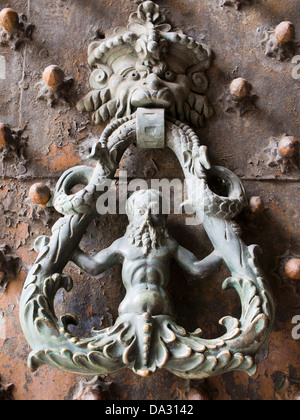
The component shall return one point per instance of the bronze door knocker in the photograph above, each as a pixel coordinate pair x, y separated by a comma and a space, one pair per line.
151, 79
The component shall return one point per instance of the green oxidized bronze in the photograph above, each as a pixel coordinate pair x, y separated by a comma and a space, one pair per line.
145, 337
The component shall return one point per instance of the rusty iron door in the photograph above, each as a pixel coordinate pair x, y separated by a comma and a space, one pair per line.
254, 132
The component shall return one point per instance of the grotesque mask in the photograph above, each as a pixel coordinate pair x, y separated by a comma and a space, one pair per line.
148, 65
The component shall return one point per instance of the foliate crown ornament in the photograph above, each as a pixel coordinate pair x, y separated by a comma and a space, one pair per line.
148, 65
138, 73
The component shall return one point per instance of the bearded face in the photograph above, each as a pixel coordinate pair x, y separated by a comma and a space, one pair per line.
151, 67
148, 227
146, 236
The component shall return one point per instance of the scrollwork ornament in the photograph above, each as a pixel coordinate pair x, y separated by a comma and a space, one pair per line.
146, 337
99, 78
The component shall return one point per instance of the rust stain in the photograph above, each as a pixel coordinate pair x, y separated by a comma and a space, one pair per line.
275, 208
20, 233
3, 191
60, 158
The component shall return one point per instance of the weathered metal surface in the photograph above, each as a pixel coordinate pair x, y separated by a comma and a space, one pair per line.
57, 137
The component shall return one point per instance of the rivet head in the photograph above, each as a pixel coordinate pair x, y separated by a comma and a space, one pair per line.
2, 136
9, 20
285, 32
53, 76
144, 373
240, 88
5, 135
256, 205
292, 269
198, 395
296, 397
40, 194
288, 147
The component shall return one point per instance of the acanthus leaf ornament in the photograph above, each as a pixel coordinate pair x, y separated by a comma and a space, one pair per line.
145, 337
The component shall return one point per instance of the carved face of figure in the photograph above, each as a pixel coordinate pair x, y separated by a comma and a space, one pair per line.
149, 67
147, 227
142, 86
137, 85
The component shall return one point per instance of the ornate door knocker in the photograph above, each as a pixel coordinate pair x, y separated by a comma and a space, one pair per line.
151, 78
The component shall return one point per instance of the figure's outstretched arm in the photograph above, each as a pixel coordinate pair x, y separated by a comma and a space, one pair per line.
99, 263
189, 263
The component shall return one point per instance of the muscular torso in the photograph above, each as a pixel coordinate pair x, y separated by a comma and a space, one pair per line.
146, 279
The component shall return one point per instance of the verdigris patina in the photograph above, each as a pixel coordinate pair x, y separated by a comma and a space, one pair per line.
145, 336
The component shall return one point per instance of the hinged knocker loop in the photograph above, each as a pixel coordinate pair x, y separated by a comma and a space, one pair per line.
150, 128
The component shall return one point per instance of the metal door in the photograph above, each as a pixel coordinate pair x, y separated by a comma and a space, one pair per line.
255, 136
